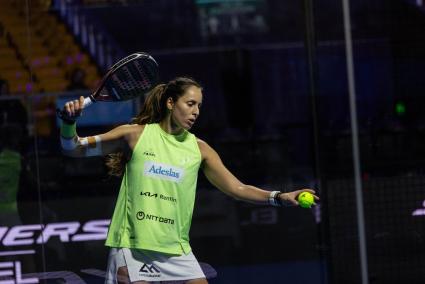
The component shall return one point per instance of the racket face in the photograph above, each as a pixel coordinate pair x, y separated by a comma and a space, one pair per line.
132, 76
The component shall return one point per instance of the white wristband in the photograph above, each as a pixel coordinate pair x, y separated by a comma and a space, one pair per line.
93, 145
272, 198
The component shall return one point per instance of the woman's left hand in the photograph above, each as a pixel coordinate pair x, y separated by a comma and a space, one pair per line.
291, 197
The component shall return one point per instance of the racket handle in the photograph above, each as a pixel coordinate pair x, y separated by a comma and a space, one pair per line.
88, 101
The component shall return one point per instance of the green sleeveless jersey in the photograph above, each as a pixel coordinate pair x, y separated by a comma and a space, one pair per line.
155, 203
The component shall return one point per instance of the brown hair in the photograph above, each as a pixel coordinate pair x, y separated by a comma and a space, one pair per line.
154, 110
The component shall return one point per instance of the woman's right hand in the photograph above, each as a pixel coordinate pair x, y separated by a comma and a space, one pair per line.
73, 109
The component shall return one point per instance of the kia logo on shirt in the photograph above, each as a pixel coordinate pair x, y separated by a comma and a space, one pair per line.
161, 196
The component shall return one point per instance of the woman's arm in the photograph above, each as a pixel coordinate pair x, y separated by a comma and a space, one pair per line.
223, 179
98, 145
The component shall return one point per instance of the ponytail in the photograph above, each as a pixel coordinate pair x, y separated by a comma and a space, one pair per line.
153, 110
115, 163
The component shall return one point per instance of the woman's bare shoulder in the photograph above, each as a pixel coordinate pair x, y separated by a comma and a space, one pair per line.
132, 133
201, 143
132, 128
204, 148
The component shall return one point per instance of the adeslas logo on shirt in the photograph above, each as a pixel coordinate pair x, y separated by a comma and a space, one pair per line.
163, 171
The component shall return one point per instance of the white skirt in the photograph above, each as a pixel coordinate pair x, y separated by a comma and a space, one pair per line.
152, 266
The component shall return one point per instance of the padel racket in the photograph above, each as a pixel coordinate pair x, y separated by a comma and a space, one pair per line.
132, 76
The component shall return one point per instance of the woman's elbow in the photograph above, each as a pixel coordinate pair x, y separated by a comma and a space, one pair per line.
236, 192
